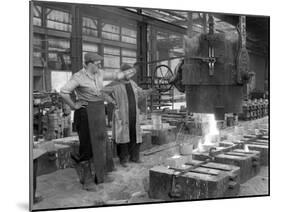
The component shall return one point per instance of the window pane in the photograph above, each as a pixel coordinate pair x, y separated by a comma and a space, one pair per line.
37, 21
89, 23
90, 26
90, 32
37, 40
129, 40
111, 32
129, 53
37, 59
59, 61
111, 50
37, 48
129, 60
111, 61
111, 28
37, 11
58, 26
59, 20
59, 16
59, 78
59, 57
129, 32
89, 47
58, 44
110, 36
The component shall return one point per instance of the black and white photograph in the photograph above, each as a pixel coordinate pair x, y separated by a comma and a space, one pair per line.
139, 105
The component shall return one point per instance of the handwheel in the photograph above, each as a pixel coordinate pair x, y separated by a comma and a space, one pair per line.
162, 76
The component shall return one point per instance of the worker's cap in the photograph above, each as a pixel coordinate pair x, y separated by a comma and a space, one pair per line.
125, 66
92, 57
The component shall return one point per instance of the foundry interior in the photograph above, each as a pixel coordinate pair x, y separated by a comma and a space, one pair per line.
204, 125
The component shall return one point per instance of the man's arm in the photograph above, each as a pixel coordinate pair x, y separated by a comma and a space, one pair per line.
111, 76
74, 106
65, 92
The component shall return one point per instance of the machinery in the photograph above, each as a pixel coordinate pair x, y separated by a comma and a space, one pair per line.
214, 72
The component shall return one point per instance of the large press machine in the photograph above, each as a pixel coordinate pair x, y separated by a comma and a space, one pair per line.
214, 72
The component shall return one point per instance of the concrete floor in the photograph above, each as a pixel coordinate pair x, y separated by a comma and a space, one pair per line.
62, 189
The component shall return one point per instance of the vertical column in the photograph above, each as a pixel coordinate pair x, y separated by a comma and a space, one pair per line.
46, 71
153, 57
189, 24
100, 46
142, 50
211, 24
204, 22
243, 57
76, 40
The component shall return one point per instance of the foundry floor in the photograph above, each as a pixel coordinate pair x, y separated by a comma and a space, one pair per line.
61, 189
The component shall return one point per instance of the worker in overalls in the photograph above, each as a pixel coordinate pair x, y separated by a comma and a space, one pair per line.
89, 118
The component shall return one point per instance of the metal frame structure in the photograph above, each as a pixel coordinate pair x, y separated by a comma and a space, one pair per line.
175, 21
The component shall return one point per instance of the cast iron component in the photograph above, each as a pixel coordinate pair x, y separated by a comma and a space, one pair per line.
214, 72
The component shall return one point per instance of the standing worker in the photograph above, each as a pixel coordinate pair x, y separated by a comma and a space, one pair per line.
89, 118
126, 130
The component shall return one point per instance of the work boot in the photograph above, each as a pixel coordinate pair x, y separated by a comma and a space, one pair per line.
78, 168
135, 160
89, 184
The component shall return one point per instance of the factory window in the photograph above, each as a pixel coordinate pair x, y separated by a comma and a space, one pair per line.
169, 46
129, 56
59, 78
129, 35
38, 62
37, 15
58, 20
90, 26
37, 51
111, 58
59, 53
89, 47
110, 31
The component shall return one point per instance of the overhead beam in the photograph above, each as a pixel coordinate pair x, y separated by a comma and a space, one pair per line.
76, 40
121, 12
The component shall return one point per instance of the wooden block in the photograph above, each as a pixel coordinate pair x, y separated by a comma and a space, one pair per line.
223, 147
263, 149
260, 146
249, 162
200, 156
63, 156
47, 163
210, 180
177, 161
